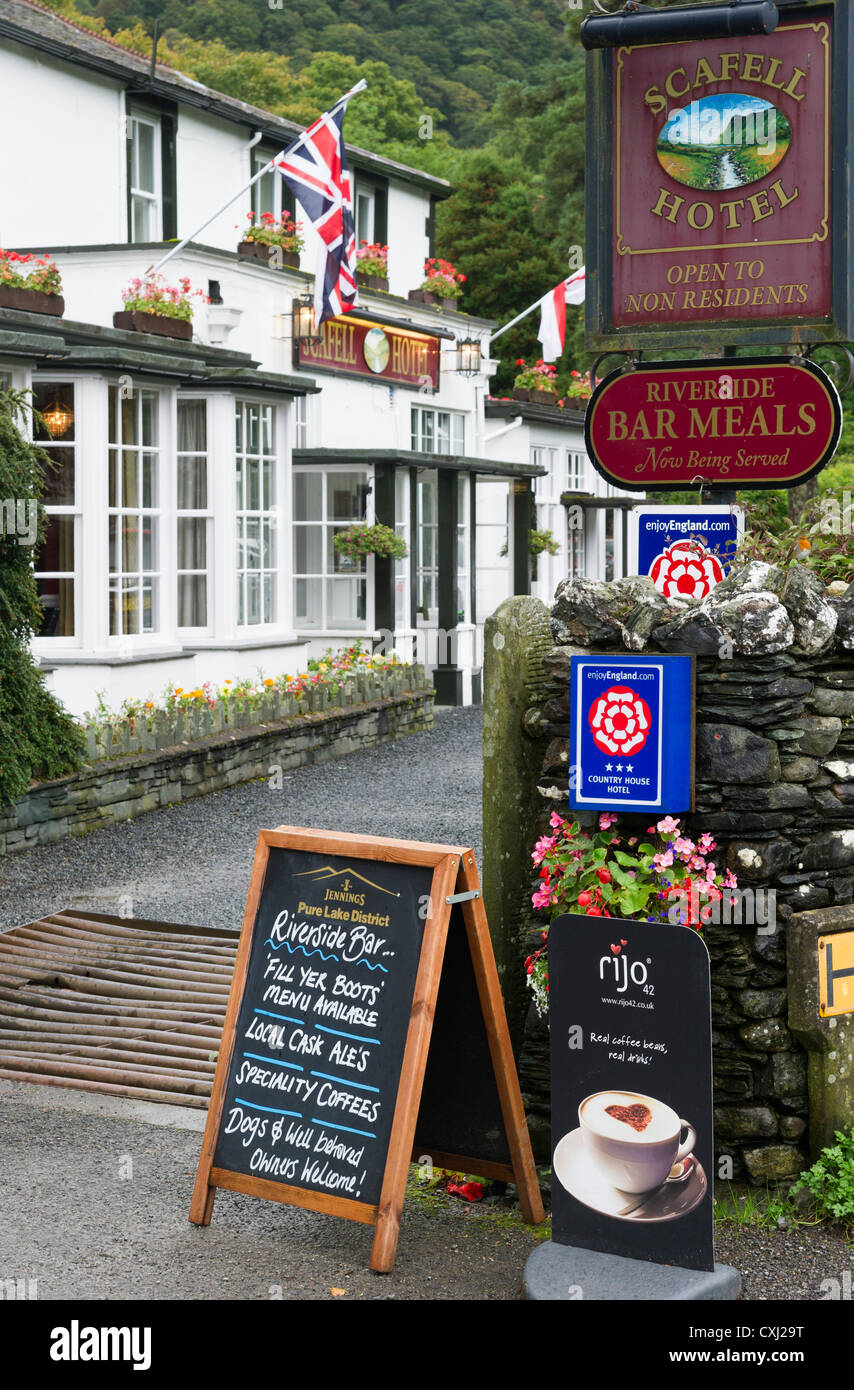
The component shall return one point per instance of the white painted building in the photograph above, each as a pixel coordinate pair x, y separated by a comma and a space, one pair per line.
198, 485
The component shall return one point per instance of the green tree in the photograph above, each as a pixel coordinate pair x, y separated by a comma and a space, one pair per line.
37, 737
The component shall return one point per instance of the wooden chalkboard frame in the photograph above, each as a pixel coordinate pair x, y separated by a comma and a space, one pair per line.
454, 872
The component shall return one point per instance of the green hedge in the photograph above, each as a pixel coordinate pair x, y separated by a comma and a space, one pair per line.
37, 737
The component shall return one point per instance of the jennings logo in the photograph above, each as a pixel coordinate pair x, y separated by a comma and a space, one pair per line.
616, 969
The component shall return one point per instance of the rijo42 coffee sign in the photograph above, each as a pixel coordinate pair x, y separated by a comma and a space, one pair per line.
749, 422
728, 159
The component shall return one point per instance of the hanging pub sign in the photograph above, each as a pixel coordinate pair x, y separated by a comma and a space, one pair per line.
631, 1085
685, 551
632, 733
353, 346
729, 162
365, 1029
736, 423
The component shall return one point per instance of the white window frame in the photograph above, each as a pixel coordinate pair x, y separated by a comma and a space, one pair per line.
118, 576
327, 523
266, 516
195, 513
365, 210
73, 510
152, 199
443, 430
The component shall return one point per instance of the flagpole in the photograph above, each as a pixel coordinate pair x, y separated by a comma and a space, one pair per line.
233, 199
359, 87
518, 319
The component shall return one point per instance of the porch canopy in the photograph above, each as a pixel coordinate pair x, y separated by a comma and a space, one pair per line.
448, 468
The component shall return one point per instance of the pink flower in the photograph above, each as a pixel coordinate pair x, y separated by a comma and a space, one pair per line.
698, 863
606, 820
711, 871
707, 843
556, 821
541, 898
730, 880
668, 826
663, 861
685, 847
542, 848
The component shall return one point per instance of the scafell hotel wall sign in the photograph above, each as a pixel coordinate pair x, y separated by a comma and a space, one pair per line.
728, 200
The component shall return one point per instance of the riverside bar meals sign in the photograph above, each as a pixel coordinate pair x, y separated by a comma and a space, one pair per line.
726, 157
737, 423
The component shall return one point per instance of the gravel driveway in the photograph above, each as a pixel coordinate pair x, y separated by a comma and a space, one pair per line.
191, 862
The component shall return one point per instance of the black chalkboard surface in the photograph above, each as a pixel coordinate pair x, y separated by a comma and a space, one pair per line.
322, 1026
364, 1021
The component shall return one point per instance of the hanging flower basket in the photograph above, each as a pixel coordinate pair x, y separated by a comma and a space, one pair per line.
379, 540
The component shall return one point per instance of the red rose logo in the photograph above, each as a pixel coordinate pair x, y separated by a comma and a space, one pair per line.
619, 721
686, 569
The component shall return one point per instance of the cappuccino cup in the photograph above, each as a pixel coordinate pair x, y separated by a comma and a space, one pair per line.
633, 1140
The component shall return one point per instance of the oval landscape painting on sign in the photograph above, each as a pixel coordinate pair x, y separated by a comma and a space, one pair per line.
723, 142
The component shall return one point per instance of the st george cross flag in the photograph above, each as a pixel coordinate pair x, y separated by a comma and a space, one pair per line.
315, 169
552, 332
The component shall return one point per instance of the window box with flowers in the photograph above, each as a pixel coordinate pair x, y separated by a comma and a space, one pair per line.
372, 266
31, 283
442, 286
535, 383
260, 238
579, 391
152, 306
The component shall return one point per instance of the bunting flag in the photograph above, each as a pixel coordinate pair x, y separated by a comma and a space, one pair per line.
315, 169
552, 332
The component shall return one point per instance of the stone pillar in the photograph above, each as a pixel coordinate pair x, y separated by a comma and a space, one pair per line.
516, 637
829, 1041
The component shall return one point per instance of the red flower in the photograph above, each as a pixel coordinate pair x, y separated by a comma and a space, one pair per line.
584, 899
603, 875
594, 912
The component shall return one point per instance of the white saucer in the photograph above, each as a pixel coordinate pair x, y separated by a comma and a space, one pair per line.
675, 1197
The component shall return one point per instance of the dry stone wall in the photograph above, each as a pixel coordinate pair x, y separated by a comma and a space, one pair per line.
775, 785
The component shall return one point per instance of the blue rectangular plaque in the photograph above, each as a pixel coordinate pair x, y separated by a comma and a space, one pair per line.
632, 733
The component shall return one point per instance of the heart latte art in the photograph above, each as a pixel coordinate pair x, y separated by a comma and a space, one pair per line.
638, 1116
630, 1118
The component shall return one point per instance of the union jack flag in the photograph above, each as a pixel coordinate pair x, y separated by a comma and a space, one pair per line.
315, 169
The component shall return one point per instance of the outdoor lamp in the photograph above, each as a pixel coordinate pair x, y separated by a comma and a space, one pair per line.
637, 23
303, 313
468, 356
58, 418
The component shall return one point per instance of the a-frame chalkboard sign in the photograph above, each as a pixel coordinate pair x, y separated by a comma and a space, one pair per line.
365, 1029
